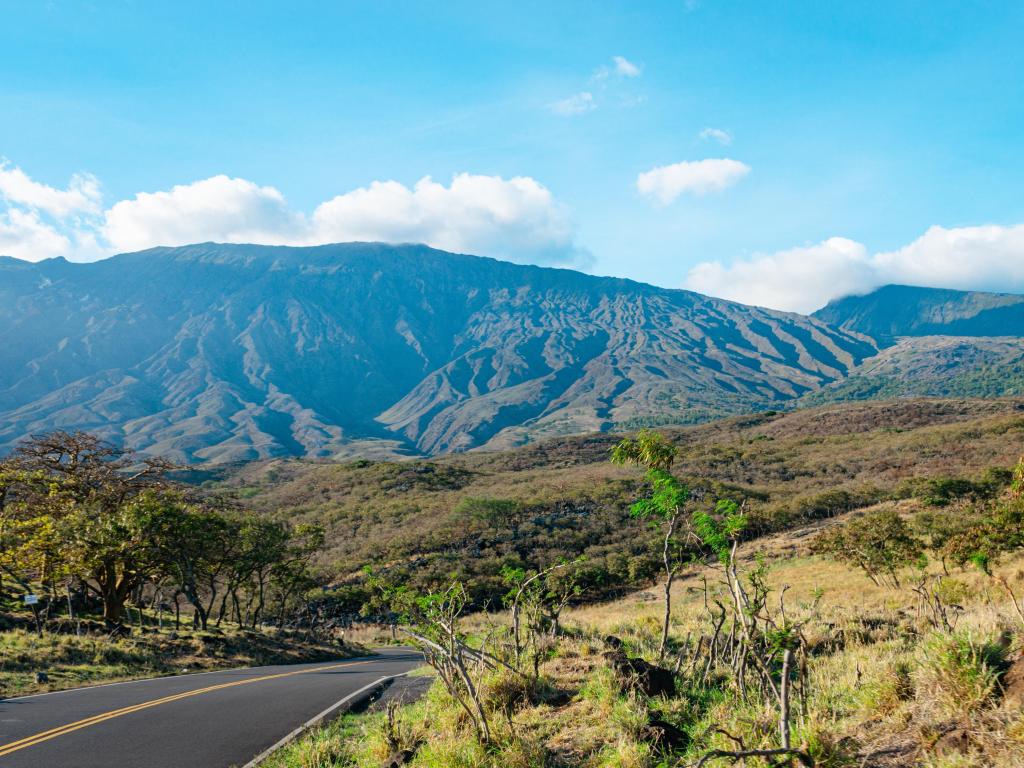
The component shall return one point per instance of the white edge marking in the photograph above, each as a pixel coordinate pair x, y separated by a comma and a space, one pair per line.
178, 677
316, 720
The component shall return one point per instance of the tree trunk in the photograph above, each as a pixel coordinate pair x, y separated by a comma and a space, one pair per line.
668, 616
113, 608
670, 574
259, 605
787, 658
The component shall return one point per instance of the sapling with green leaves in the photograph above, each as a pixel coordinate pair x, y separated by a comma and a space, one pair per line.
664, 508
538, 596
431, 621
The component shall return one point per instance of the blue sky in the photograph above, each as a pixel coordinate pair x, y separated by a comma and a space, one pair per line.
870, 141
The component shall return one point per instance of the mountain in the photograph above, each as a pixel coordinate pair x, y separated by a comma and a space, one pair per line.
230, 352
933, 366
894, 311
935, 342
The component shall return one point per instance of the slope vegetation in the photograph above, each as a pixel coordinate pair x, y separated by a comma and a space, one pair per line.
469, 515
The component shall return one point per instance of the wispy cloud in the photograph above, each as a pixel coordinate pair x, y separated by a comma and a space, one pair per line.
720, 135
625, 67
576, 104
699, 177
607, 83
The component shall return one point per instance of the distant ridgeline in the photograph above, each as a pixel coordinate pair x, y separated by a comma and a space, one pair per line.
233, 352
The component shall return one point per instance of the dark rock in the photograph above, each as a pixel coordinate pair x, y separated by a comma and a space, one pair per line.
955, 741
664, 736
399, 758
642, 675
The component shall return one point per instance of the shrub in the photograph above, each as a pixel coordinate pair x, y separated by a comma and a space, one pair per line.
505, 691
880, 543
885, 695
957, 673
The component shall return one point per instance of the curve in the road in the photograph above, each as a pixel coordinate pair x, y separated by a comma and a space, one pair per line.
84, 727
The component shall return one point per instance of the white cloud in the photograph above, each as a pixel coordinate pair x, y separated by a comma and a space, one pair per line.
625, 67
24, 236
82, 195
699, 177
608, 83
986, 258
516, 219
793, 280
720, 135
220, 208
576, 104
980, 258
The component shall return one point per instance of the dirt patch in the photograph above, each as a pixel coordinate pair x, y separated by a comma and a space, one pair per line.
1013, 685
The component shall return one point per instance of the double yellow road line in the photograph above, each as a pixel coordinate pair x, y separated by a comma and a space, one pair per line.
31, 741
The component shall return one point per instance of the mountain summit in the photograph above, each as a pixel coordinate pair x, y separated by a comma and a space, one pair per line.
894, 311
229, 352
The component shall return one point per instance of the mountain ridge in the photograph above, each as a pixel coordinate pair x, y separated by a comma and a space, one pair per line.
226, 352
219, 353
893, 311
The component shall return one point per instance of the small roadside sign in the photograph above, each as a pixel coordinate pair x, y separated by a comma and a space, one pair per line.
31, 599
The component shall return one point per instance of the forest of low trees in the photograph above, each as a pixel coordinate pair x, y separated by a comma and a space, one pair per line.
90, 528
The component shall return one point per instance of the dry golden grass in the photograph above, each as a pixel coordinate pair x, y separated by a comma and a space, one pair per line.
893, 692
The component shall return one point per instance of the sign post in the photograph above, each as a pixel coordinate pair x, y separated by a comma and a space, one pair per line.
33, 600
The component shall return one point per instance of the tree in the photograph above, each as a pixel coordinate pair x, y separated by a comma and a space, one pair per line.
537, 594
285, 571
190, 544
662, 509
29, 548
86, 487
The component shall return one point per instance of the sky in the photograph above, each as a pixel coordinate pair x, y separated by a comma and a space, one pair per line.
776, 153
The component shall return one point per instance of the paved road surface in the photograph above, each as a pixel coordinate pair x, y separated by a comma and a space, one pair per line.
211, 720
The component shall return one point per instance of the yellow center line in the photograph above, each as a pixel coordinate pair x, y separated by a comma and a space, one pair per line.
31, 741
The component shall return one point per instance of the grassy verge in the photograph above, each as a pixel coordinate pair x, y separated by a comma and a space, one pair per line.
70, 661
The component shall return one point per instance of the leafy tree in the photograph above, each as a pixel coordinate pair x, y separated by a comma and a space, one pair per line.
1000, 529
190, 544
109, 548
284, 569
86, 488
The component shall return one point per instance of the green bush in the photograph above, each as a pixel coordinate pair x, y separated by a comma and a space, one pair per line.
958, 673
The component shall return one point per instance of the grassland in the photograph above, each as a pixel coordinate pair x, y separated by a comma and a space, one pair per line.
885, 688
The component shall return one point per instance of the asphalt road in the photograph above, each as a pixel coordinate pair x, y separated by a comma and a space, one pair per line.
209, 720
